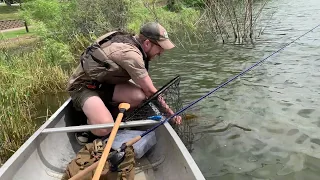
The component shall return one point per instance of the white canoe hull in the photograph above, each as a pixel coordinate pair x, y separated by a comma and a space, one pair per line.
45, 156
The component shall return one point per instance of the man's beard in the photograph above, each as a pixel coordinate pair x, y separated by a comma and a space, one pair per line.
149, 57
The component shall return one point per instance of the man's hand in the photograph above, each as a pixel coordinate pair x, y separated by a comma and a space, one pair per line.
177, 119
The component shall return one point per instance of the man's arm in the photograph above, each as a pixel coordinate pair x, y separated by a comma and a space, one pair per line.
134, 65
146, 85
148, 88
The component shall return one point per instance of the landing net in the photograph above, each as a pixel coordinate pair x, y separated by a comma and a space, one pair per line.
170, 93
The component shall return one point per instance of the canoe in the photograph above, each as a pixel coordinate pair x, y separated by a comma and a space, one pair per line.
44, 156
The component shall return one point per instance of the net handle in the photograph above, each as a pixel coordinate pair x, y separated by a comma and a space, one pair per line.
154, 96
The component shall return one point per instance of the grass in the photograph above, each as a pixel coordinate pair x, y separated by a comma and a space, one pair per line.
16, 33
9, 12
18, 44
18, 39
24, 78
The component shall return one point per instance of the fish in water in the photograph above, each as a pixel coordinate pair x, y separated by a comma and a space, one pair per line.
190, 116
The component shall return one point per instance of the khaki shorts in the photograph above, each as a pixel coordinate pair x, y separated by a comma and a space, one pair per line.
79, 96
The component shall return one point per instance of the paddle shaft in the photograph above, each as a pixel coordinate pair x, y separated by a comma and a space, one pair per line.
106, 150
80, 174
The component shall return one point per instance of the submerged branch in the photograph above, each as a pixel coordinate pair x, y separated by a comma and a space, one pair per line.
226, 18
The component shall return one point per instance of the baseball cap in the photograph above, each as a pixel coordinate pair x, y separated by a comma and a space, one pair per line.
155, 32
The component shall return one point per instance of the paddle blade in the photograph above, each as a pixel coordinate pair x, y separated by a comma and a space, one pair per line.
125, 106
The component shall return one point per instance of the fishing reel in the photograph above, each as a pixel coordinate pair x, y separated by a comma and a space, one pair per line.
116, 157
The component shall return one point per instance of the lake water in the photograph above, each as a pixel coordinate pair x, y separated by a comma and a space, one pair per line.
278, 100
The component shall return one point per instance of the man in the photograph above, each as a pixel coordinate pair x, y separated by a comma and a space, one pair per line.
102, 77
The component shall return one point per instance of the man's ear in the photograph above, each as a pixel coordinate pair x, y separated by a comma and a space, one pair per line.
147, 45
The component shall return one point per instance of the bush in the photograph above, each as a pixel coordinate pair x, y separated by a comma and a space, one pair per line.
194, 3
174, 22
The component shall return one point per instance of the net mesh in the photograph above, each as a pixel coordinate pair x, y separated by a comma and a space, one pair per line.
170, 94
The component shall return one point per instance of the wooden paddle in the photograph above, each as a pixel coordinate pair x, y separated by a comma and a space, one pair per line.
122, 107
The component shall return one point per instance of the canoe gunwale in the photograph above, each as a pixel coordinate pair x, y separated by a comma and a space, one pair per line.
184, 151
32, 139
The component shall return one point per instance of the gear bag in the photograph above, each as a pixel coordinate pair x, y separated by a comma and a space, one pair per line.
91, 153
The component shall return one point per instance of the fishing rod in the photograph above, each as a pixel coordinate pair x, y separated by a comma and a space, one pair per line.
137, 138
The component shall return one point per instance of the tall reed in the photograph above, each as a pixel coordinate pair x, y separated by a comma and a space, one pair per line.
24, 77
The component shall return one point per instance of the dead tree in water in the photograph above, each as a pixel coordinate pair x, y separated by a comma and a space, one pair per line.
250, 21
225, 16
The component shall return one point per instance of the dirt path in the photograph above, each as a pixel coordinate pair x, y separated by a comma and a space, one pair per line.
13, 29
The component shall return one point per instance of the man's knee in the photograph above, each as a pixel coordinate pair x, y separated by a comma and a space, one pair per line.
137, 97
129, 93
97, 113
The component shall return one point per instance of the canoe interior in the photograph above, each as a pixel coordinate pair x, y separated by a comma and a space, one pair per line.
45, 156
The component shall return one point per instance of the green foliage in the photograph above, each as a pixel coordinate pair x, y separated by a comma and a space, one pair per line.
172, 21
194, 3
98, 16
174, 6
65, 22
56, 52
52, 14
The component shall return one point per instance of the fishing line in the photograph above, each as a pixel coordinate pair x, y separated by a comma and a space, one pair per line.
225, 83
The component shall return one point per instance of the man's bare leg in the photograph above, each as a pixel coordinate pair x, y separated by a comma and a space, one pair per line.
129, 93
98, 113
